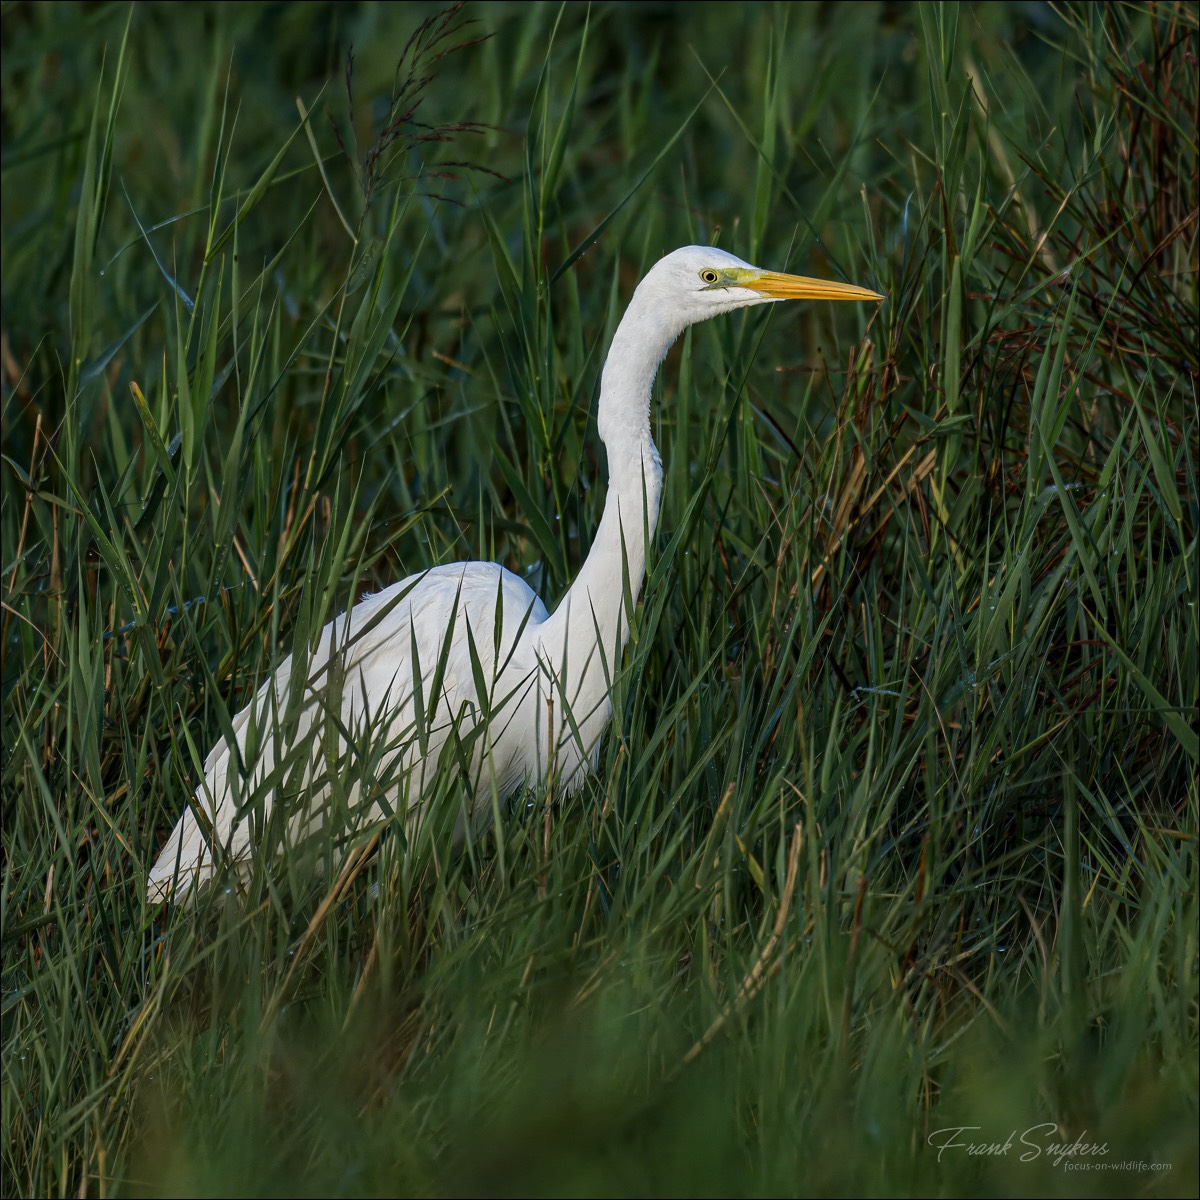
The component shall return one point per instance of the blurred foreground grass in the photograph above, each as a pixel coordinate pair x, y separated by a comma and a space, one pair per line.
895, 831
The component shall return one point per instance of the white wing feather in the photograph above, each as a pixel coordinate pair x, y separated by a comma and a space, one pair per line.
472, 623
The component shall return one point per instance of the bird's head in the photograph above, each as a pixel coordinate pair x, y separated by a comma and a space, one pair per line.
698, 282
686, 286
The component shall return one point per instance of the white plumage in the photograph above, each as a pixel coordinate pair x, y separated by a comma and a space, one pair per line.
463, 661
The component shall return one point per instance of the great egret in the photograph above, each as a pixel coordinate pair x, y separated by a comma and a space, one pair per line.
465, 657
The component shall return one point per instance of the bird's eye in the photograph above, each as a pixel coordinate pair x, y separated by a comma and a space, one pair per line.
709, 275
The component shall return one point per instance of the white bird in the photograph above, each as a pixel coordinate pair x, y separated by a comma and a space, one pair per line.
464, 660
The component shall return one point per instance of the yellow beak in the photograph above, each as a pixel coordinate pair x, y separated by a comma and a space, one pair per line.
798, 287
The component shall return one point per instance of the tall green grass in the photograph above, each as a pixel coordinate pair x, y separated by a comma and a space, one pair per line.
895, 826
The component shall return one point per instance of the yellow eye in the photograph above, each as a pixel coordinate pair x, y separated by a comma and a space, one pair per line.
709, 275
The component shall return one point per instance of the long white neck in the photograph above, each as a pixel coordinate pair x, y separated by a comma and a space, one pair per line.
582, 642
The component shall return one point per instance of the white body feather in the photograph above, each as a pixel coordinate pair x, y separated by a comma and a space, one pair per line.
362, 654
